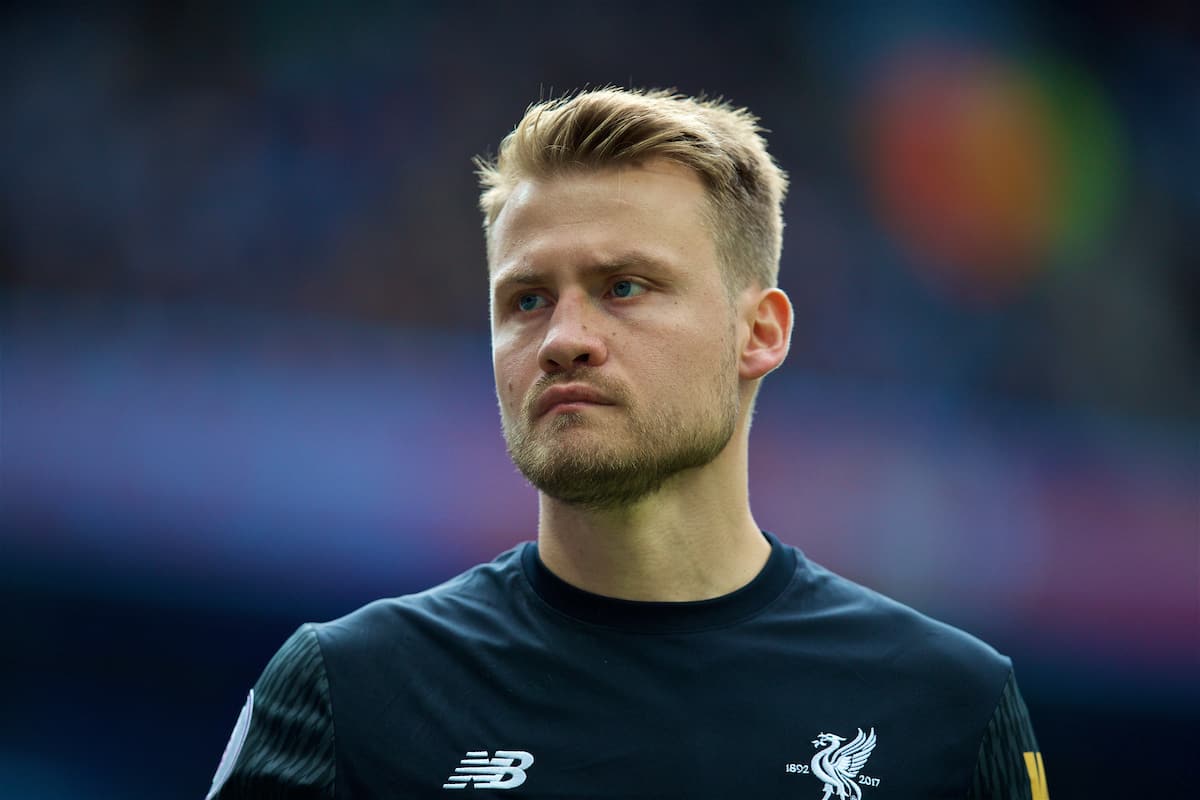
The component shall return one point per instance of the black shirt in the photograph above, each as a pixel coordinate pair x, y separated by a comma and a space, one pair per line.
509, 681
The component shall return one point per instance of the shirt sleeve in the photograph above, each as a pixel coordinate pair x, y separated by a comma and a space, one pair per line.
282, 745
1009, 766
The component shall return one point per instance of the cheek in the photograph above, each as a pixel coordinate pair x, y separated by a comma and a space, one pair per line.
509, 381
708, 353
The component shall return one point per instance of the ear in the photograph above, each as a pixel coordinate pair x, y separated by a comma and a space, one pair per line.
768, 313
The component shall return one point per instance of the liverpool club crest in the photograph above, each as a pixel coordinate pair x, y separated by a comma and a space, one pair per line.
839, 762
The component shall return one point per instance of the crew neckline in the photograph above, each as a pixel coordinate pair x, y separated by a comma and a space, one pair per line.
661, 616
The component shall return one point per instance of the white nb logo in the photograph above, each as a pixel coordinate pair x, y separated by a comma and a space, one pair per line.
505, 771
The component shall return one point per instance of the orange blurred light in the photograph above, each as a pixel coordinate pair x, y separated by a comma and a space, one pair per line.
964, 164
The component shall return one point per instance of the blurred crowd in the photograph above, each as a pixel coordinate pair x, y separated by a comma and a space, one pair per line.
988, 198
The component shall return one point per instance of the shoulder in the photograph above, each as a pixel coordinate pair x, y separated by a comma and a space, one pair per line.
470, 600
909, 644
283, 741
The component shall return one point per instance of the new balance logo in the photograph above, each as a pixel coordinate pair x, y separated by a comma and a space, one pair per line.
505, 771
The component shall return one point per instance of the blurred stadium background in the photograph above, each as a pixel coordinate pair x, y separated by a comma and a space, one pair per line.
244, 359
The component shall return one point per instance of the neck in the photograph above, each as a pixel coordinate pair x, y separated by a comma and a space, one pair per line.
694, 539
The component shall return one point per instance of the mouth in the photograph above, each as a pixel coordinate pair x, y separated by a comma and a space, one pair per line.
571, 397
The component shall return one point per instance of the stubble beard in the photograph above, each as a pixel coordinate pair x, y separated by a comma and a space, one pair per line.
630, 456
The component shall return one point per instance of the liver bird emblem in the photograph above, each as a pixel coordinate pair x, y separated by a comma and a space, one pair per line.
838, 764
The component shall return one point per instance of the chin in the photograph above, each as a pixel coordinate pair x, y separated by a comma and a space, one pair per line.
566, 421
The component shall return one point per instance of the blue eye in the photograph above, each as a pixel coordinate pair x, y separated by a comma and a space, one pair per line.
529, 302
627, 289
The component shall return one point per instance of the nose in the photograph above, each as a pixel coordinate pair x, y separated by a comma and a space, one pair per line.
573, 339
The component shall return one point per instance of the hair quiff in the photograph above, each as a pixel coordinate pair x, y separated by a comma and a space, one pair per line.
614, 127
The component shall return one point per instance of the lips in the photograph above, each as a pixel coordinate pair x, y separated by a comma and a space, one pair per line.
569, 393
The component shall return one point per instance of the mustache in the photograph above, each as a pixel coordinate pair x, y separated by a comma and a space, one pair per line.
585, 376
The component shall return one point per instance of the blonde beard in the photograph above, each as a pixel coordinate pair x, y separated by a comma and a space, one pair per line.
650, 447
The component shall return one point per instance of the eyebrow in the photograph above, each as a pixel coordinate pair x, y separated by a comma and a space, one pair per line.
527, 276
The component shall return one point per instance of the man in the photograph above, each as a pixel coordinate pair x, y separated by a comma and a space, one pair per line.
653, 642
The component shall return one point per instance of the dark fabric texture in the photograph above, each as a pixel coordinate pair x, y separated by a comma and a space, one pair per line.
1000, 771
288, 751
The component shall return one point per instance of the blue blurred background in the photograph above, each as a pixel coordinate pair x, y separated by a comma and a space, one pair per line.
245, 374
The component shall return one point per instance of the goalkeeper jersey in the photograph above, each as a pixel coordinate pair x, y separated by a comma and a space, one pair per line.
507, 682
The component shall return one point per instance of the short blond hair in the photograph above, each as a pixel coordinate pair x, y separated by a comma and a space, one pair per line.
615, 127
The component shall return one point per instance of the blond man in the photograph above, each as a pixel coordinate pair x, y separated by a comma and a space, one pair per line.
653, 641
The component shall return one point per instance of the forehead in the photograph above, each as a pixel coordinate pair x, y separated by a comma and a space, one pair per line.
657, 208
